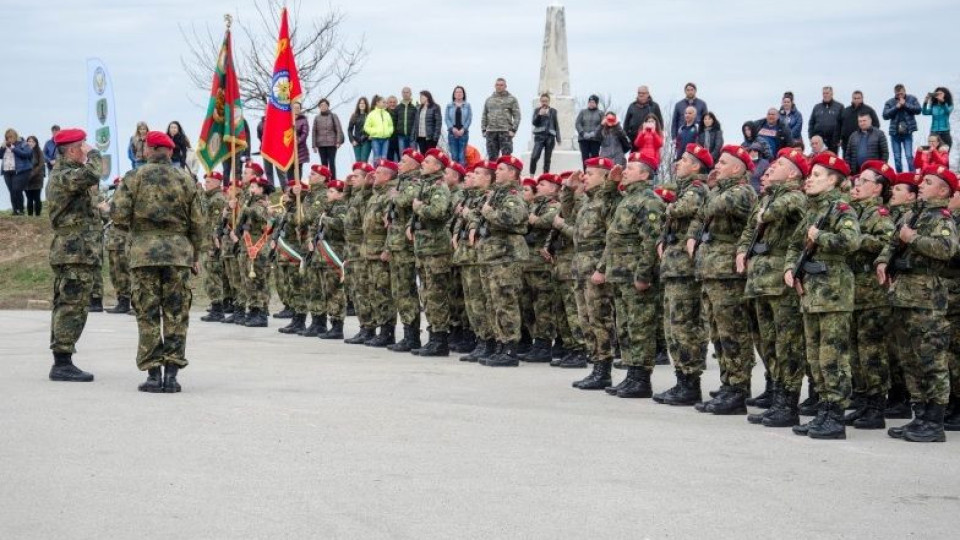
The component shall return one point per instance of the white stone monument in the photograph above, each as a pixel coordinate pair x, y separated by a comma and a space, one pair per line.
555, 81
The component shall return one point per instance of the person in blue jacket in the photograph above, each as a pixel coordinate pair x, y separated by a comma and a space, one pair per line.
16, 162
458, 117
939, 105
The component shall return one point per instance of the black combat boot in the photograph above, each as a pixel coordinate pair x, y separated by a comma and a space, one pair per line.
717, 395
410, 331
576, 359
539, 353
918, 410
638, 384
256, 318
663, 358
477, 351
612, 390
154, 382
285, 313
598, 379
856, 401
468, 340
170, 384
930, 429
123, 305
951, 418
454, 339
659, 397
297, 324
492, 348
386, 337
811, 405
730, 403
765, 399
361, 337
872, 417
525, 344
559, 349
215, 315
96, 305
618, 364
64, 370
832, 426
898, 404
416, 350
784, 415
351, 311
803, 429
335, 331
854, 415
318, 325
227, 306
232, 317
506, 358
438, 347
778, 403
689, 393
240, 315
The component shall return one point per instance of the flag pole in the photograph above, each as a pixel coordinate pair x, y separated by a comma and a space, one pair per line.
233, 150
296, 166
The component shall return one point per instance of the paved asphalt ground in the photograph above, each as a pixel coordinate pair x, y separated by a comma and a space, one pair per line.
289, 437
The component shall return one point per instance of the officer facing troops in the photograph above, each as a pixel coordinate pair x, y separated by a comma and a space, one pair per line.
74, 250
160, 205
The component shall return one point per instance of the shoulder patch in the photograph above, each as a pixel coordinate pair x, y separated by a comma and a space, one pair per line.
945, 232
883, 210
847, 224
653, 216
843, 207
696, 183
945, 213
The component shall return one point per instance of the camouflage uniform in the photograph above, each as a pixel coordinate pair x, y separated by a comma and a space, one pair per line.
379, 301
256, 221
403, 263
115, 241
501, 116
898, 386
75, 249
315, 294
334, 298
539, 300
432, 248
288, 276
465, 256
229, 251
160, 206
97, 229
951, 276
458, 308
212, 204
561, 246
355, 269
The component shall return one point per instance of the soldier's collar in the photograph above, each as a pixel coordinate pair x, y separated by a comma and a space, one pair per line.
937, 203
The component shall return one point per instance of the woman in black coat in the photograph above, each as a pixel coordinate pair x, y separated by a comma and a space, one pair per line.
35, 183
181, 143
427, 122
711, 135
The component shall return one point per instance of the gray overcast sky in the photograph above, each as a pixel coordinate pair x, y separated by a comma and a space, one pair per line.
742, 54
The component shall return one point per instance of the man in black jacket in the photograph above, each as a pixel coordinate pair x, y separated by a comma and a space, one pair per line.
865, 144
825, 120
546, 134
403, 119
848, 118
637, 112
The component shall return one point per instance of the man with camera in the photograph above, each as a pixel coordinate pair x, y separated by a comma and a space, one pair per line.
902, 110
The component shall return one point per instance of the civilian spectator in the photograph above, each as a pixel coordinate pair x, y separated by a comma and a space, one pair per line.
825, 120
849, 122
404, 114
588, 125
790, 116
458, 117
637, 113
50, 148
327, 136
427, 123
17, 163
500, 120
650, 139
760, 154
690, 99
614, 143
546, 134
774, 131
137, 143
939, 105
35, 183
379, 127
865, 144
816, 145
302, 127
901, 110
358, 137
393, 149
686, 132
711, 135
749, 130
935, 153
180, 142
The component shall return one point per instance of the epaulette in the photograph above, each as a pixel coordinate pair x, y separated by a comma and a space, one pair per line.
946, 213
883, 210
842, 207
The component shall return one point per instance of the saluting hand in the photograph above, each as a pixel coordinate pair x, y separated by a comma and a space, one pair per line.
882, 273
691, 243
741, 263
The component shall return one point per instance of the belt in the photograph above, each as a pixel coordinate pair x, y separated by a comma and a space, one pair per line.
589, 248
830, 258
727, 238
71, 228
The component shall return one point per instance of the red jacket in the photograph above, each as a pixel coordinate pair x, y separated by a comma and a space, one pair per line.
930, 157
649, 143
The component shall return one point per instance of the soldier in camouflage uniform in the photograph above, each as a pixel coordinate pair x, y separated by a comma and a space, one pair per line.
462, 338
502, 251
871, 309
160, 206
291, 229
332, 221
375, 251
829, 235
213, 202
74, 250
629, 265
559, 247
913, 261
682, 318
237, 197
115, 243
357, 194
951, 276
403, 263
594, 296
96, 295
539, 286
254, 233
314, 206
500, 121
717, 228
760, 255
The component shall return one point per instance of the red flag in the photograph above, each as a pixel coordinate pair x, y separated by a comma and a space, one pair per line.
278, 131
223, 127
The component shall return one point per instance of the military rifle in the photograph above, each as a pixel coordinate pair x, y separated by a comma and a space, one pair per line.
218, 234
317, 238
703, 235
802, 266
897, 262
278, 225
755, 247
415, 224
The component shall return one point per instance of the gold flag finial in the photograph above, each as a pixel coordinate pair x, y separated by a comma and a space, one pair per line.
228, 19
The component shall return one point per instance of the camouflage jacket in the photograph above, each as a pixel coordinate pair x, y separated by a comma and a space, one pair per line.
212, 204
562, 246
918, 283
691, 192
160, 205
951, 275
401, 209
832, 290
726, 209
430, 223
501, 228
543, 209
786, 206
374, 230
353, 219
465, 254
630, 252
501, 112
255, 219
457, 196
228, 248
72, 213
590, 235
876, 228
333, 221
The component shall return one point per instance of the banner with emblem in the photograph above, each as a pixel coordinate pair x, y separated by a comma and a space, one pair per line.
279, 142
222, 131
102, 118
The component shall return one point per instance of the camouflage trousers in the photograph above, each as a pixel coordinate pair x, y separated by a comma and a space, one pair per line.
683, 325
162, 298
356, 275
501, 286
214, 277
868, 363
435, 277
314, 292
661, 327
923, 341
403, 287
595, 308
780, 338
72, 285
637, 324
377, 293
458, 309
97, 291
568, 321
295, 286
119, 272
537, 304
729, 318
231, 270
281, 284
257, 283
828, 353
475, 301
499, 143
334, 294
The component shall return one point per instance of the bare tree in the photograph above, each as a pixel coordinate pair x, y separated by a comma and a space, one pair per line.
326, 61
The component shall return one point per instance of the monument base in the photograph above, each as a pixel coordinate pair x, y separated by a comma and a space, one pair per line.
560, 160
